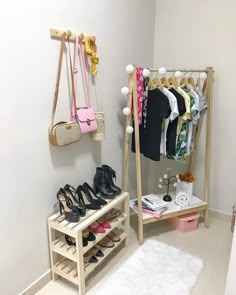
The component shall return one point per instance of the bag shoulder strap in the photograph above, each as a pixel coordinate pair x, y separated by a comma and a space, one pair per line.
79, 53
75, 73
84, 72
58, 79
59, 76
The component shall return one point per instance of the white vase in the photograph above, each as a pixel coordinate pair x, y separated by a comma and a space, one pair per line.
185, 187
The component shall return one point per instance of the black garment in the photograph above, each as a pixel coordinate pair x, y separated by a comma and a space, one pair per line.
172, 128
158, 107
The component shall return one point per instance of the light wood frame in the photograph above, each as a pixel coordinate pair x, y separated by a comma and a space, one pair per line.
67, 261
132, 100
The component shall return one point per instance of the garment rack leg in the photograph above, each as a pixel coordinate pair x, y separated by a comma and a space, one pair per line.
127, 220
138, 160
208, 142
127, 137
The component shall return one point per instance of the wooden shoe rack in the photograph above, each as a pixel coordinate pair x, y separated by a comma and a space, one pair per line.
67, 261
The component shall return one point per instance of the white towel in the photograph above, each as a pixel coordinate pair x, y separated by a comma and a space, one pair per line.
182, 199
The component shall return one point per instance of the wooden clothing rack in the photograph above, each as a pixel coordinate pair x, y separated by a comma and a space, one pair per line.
132, 100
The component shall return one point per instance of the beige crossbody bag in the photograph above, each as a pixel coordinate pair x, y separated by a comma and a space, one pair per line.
63, 133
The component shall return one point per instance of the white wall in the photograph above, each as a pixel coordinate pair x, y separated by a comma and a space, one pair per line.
196, 36
31, 170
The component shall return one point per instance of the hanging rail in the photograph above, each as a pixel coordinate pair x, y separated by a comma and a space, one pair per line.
182, 70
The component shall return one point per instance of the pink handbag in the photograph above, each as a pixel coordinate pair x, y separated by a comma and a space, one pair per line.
84, 116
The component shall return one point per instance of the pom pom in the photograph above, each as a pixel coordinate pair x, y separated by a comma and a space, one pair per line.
146, 73
126, 111
129, 69
162, 71
159, 185
160, 180
203, 76
165, 176
125, 91
177, 176
129, 129
178, 74
174, 184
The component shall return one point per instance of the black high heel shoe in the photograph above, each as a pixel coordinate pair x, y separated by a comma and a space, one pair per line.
71, 242
102, 185
72, 194
66, 206
93, 195
86, 199
110, 175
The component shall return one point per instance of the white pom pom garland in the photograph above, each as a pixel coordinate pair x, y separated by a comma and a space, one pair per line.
129, 129
159, 185
178, 74
165, 176
126, 111
146, 73
174, 184
160, 180
162, 71
125, 91
203, 76
129, 69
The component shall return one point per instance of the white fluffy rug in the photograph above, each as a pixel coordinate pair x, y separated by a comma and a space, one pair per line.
154, 269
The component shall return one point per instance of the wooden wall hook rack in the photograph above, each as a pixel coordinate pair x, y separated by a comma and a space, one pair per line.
57, 34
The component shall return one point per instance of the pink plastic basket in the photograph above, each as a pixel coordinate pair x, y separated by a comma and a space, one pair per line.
185, 223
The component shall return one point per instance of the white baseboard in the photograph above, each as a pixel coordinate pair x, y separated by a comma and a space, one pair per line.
220, 215
38, 284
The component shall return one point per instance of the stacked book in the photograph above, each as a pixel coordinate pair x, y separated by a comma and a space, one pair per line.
152, 205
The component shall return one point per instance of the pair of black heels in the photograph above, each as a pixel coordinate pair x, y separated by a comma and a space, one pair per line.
87, 236
75, 202
104, 184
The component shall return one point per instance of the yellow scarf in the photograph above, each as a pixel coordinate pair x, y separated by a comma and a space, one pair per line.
91, 51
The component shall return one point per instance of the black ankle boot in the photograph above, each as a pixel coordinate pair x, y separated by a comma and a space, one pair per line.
110, 175
102, 184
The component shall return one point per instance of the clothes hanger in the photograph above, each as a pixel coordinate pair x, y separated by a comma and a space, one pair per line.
201, 86
155, 82
173, 81
184, 81
191, 81
165, 82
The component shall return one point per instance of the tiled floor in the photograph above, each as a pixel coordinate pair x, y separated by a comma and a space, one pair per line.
213, 245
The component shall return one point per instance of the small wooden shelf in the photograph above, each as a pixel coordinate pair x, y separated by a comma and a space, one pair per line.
68, 261
107, 251
68, 269
61, 247
115, 223
173, 209
59, 223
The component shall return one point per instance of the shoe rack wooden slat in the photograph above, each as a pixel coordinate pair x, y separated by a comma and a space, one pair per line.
67, 261
92, 266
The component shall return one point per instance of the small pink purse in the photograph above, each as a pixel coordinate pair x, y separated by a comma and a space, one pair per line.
84, 116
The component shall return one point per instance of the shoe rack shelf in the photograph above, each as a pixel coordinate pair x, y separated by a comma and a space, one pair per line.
67, 261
